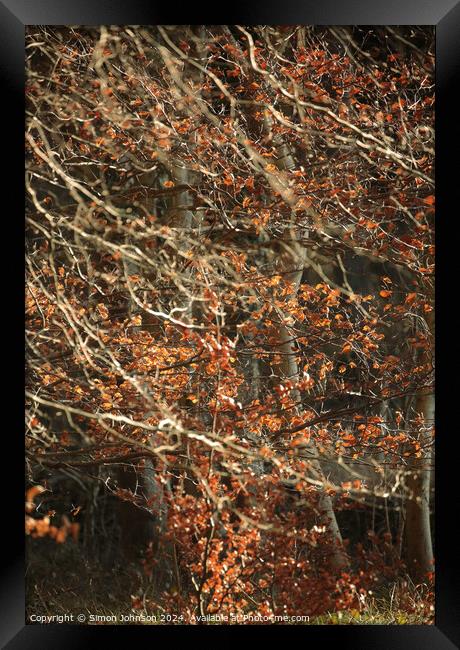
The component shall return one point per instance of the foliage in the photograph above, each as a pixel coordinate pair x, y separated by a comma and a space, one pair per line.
230, 266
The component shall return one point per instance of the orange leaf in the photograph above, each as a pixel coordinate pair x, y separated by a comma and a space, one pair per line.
103, 311
33, 492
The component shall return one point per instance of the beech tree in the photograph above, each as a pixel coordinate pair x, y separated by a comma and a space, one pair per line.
229, 301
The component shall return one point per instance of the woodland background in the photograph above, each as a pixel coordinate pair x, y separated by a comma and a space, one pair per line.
230, 321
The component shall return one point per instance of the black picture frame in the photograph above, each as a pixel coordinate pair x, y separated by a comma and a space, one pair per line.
445, 14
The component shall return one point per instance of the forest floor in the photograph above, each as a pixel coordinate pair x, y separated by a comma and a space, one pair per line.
59, 581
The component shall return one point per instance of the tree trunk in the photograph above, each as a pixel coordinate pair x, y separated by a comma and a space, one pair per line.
419, 547
288, 369
295, 256
142, 528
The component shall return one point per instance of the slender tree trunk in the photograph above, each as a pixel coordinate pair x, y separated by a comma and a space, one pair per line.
295, 258
419, 546
137, 531
288, 369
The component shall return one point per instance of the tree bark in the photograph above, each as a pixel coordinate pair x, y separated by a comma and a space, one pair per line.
419, 546
296, 257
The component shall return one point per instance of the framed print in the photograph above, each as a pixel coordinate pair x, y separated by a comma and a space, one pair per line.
231, 293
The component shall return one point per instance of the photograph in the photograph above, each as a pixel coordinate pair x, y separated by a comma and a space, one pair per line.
230, 324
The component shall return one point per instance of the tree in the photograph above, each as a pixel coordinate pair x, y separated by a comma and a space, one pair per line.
230, 293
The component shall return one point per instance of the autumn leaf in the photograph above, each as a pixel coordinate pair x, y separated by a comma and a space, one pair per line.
205, 349
31, 494
103, 311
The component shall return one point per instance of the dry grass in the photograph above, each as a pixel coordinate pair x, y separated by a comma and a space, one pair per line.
60, 580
